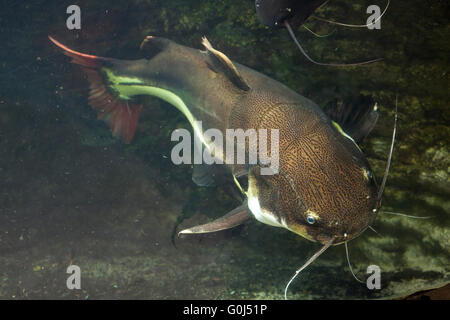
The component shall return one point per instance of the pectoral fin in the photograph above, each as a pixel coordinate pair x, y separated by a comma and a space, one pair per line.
232, 219
226, 65
207, 175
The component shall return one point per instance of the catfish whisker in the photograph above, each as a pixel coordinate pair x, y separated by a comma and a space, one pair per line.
292, 34
354, 25
307, 263
388, 163
349, 264
323, 5
371, 228
405, 215
318, 35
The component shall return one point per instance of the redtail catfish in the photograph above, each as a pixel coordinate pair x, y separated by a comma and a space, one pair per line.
324, 189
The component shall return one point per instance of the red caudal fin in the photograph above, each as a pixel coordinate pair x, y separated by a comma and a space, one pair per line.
121, 115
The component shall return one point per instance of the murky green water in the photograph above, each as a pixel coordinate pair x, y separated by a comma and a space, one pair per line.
72, 194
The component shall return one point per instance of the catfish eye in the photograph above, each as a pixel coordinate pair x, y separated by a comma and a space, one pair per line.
311, 219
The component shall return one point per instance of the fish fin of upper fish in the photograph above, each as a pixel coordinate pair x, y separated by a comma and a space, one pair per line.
121, 115
240, 170
232, 219
202, 175
207, 175
226, 65
356, 116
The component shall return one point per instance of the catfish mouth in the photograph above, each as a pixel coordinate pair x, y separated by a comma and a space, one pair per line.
340, 237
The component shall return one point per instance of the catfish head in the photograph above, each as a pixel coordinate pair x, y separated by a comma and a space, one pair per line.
324, 190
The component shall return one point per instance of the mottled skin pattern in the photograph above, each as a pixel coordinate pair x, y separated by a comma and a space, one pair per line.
322, 172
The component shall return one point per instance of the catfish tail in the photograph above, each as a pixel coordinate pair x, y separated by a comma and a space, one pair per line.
121, 116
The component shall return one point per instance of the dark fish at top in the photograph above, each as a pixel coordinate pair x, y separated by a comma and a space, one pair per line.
294, 13
273, 13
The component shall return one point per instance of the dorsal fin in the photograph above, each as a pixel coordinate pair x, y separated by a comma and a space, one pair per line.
228, 66
357, 116
151, 46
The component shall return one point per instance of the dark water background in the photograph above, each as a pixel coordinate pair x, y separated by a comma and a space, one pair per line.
71, 194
